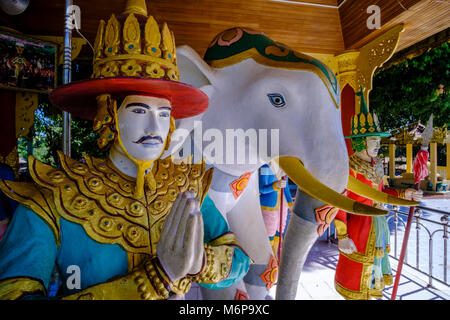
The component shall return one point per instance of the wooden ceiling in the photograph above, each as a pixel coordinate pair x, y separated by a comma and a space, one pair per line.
422, 19
314, 26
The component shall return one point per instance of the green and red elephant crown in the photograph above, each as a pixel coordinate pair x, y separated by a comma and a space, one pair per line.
237, 44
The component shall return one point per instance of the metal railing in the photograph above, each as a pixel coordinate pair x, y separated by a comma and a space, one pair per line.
429, 228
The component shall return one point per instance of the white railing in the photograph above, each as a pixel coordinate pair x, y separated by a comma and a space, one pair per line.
423, 226
426, 230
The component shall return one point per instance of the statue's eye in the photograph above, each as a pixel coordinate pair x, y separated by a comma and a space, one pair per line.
139, 110
277, 100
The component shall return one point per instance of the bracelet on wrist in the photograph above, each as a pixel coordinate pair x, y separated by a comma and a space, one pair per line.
342, 237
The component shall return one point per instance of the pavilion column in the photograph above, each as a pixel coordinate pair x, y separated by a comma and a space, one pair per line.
433, 166
391, 160
409, 157
447, 171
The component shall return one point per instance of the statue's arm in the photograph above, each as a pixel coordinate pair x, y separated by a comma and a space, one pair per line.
225, 262
27, 256
345, 244
408, 194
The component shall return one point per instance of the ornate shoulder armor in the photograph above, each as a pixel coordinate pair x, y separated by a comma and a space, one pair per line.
35, 198
374, 174
97, 196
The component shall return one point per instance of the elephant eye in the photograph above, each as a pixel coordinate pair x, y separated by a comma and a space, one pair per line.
277, 100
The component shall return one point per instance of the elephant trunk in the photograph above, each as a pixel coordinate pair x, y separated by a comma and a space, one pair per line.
300, 236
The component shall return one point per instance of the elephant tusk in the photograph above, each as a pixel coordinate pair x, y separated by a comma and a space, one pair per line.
314, 188
364, 190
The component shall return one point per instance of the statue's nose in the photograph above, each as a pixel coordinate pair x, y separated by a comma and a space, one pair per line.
152, 125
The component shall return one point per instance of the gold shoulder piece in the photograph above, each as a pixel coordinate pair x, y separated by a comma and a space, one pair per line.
15, 288
98, 198
187, 176
40, 200
198, 180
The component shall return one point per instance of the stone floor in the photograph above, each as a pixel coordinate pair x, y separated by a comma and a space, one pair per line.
317, 279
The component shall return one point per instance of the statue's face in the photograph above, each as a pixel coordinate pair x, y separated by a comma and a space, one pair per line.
144, 124
373, 144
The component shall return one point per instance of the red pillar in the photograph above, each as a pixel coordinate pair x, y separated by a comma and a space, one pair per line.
348, 111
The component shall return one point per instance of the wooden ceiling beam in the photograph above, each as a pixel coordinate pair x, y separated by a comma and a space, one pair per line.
422, 19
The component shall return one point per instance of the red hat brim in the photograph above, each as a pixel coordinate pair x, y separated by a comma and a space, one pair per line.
79, 98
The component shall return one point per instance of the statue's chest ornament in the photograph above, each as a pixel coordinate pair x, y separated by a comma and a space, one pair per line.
373, 173
100, 198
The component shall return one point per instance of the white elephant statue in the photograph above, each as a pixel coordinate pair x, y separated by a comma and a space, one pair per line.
290, 101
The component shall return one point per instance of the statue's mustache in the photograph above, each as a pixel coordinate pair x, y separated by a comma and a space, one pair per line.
149, 139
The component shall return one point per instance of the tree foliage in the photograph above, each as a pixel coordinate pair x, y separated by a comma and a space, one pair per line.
413, 90
47, 136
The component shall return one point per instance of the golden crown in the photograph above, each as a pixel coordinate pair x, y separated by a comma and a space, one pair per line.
133, 44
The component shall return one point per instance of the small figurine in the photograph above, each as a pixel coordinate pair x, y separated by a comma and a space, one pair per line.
275, 199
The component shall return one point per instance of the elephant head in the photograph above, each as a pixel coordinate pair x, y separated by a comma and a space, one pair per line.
261, 88
287, 99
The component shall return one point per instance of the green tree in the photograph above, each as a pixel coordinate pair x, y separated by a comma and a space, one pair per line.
412, 90
47, 136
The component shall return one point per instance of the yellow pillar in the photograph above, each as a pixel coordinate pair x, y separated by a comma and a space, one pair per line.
409, 157
447, 172
433, 164
391, 160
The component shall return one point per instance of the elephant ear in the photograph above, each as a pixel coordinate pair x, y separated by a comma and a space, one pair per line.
197, 73
194, 70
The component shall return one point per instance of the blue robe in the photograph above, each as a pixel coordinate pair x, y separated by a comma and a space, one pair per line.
29, 249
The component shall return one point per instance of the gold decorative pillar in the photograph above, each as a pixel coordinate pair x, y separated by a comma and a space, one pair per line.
391, 160
433, 164
26, 104
347, 70
447, 171
357, 67
409, 157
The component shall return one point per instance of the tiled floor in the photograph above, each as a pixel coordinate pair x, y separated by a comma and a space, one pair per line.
317, 279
